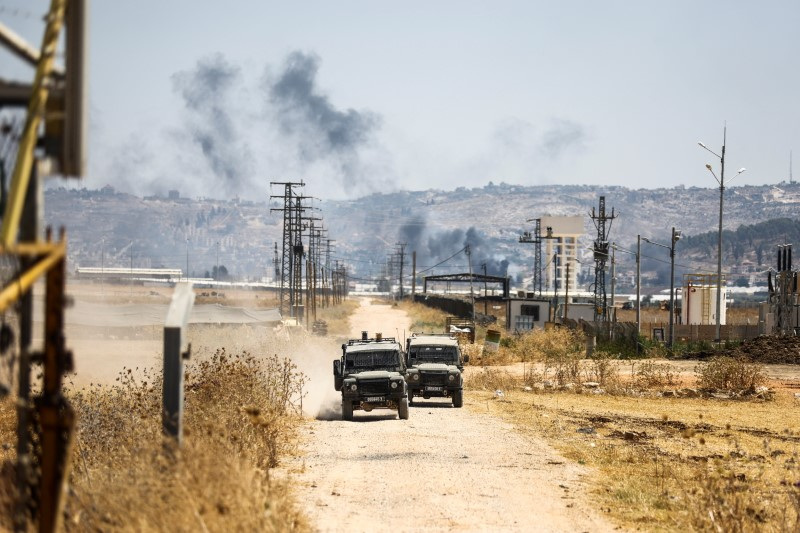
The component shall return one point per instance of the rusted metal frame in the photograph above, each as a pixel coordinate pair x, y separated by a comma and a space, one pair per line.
49, 255
56, 415
36, 109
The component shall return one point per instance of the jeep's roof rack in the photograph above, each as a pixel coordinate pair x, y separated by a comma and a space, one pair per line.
353, 342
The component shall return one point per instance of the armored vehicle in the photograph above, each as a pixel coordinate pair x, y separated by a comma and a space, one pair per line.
370, 376
434, 367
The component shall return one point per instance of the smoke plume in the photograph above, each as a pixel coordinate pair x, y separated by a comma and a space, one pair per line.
561, 136
319, 130
435, 246
211, 124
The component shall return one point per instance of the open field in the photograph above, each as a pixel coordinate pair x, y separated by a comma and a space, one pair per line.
659, 462
247, 391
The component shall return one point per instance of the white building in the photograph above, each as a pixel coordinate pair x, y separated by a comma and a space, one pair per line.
561, 250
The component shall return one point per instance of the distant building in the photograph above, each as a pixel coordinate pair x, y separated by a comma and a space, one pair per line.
173, 194
561, 250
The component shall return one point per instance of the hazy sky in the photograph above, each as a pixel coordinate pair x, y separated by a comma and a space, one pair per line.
219, 98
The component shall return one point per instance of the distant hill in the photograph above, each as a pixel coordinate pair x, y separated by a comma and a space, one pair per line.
112, 227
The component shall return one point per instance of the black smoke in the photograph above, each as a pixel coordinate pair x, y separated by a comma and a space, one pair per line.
561, 136
435, 246
211, 124
319, 130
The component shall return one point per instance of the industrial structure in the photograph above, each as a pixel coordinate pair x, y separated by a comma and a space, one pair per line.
699, 294
561, 250
52, 140
602, 223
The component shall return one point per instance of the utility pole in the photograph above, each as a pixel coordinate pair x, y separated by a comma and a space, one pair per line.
638, 290
602, 223
471, 293
721, 182
566, 296
413, 275
485, 301
536, 239
286, 294
613, 314
402, 254
276, 263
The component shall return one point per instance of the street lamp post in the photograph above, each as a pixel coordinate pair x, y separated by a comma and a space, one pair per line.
721, 181
676, 235
638, 255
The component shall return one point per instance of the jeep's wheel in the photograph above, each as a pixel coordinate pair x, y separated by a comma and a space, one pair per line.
402, 409
458, 398
347, 410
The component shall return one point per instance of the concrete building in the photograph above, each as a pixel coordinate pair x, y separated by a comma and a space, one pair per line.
561, 250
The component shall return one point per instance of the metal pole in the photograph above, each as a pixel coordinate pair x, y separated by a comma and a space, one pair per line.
719, 236
471, 293
413, 274
566, 295
485, 301
672, 290
613, 317
638, 289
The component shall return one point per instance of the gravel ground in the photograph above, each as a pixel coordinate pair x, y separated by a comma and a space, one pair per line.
444, 469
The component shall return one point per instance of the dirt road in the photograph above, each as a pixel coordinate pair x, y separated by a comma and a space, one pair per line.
444, 469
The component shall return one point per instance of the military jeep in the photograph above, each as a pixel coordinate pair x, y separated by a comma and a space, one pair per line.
434, 367
370, 376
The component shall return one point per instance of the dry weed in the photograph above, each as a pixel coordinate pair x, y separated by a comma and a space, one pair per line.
707, 466
491, 379
240, 418
729, 373
649, 374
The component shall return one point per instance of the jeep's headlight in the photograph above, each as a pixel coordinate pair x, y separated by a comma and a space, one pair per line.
394, 384
451, 377
353, 387
415, 377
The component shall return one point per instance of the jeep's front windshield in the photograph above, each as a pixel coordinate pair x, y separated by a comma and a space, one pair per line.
372, 360
433, 354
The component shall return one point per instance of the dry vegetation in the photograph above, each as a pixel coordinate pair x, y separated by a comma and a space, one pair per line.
239, 420
337, 317
423, 318
659, 462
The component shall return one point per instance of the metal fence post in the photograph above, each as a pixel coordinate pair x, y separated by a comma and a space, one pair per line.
176, 349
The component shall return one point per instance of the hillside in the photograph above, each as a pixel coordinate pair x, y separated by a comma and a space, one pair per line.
114, 228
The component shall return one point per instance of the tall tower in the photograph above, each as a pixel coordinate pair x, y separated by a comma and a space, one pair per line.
602, 223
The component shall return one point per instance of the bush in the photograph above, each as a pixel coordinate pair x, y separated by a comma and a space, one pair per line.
650, 374
730, 373
603, 368
240, 416
491, 379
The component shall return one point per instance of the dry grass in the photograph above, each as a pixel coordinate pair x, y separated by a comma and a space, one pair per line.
729, 373
659, 463
424, 319
557, 345
667, 464
240, 419
338, 316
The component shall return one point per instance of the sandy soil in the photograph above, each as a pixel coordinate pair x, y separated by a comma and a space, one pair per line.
444, 469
